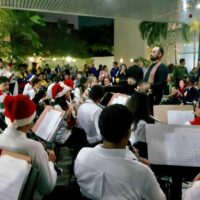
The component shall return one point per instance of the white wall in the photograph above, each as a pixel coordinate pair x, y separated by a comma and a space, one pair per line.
108, 60
127, 40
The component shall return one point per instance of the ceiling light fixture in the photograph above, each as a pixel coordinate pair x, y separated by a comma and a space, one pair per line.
198, 6
185, 5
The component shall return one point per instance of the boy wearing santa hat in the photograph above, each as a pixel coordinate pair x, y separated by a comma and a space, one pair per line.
20, 112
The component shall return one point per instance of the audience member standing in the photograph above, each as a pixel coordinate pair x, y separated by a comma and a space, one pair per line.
1, 67
114, 71
4, 91
104, 73
180, 72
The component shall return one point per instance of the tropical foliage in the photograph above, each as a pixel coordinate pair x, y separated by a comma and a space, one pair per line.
59, 40
17, 31
155, 33
25, 33
99, 39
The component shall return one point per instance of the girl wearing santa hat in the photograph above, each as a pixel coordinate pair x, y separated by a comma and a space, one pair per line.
60, 97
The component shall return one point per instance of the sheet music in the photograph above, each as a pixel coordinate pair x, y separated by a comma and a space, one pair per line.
181, 149
176, 145
13, 176
179, 116
120, 100
48, 124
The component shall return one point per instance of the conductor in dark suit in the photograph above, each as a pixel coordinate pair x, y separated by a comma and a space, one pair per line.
156, 75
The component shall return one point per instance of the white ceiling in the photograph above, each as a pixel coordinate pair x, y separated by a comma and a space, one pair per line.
151, 10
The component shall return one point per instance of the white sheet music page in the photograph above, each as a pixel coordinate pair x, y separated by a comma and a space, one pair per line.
48, 124
182, 148
13, 176
176, 145
120, 100
179, 116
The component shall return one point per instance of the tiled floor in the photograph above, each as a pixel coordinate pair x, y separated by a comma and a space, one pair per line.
64, 162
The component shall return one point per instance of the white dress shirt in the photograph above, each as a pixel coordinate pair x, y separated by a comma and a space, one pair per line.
87, 119
115, 174
17, 141
193, 193
139, 135
27, 88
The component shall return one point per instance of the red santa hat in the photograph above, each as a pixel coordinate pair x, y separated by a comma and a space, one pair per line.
58, 90
69, 83
19, 110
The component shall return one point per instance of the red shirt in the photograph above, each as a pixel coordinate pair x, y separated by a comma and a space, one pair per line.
195, 121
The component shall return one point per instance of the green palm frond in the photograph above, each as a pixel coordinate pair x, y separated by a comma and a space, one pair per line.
153, 32
185, 32
20, 26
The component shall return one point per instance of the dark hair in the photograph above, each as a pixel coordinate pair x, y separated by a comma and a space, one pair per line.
139, 107
1, 60
182, 60
103, 84
61, 101
96, 92
34, 64
41, 73
136, 60
103, 68
100, 67
83, 80
115, 63
22, 65
115, 122
198, 102
161, 50
35, 80
3, 79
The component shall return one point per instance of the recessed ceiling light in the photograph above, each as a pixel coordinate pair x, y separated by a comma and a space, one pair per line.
198, 6
185, 5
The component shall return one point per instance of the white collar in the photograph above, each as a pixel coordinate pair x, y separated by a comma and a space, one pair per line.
13, 132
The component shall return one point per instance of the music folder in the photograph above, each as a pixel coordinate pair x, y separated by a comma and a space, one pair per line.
14, 172
48, 123
165, 113
118, 98
173, 145
106, 98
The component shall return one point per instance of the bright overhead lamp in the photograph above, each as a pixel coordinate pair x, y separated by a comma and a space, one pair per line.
185, 5
31, 59
198, 6
68, 59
